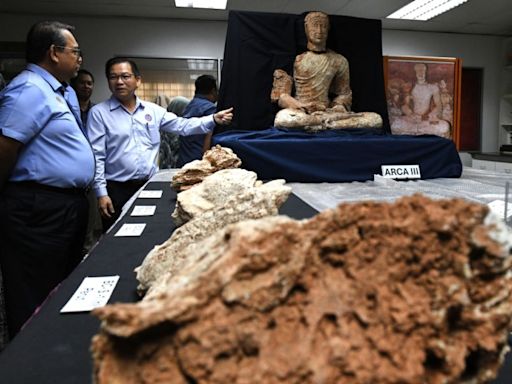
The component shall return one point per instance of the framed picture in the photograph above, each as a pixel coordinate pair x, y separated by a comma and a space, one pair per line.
423, 95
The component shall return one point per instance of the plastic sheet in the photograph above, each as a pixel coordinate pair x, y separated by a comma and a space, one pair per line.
474, 185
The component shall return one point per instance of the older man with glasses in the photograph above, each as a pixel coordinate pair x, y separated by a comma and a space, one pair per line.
46, 167
124, 132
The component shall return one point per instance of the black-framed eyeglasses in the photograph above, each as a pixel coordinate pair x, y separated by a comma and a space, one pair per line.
75, 51
122, 76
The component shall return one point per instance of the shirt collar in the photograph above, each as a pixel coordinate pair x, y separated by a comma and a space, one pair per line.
114, 103
47, 76
199, 96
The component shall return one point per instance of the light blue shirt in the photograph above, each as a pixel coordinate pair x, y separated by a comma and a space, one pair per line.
126, 143
34, 112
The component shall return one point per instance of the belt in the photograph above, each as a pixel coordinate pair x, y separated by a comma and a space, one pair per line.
44, 187
134, 182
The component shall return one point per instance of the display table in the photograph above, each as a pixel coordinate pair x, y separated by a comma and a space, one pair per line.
338, 156
53, 348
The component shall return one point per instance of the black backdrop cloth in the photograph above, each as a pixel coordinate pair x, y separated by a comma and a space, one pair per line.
258, 43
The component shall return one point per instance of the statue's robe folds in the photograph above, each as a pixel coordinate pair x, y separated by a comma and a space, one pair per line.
316, 75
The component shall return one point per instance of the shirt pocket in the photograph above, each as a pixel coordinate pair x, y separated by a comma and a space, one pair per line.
154, 133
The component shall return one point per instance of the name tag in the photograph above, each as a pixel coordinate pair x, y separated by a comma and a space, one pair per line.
401, 171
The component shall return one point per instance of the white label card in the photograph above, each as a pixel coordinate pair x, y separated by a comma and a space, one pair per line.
143, 210
498, 207
150, 194
401, 171
131, 230
92, 293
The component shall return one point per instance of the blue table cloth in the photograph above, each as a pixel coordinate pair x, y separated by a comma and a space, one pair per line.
338, 156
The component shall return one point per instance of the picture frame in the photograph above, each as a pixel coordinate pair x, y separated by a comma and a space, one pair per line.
423, 95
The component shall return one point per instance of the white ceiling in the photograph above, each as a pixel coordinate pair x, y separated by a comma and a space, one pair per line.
485, 17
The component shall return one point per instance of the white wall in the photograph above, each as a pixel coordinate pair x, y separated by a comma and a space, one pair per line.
101, 38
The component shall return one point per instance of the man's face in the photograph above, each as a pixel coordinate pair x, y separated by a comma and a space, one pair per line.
317, 29
83, 86
122, 81
421, 72
69, 57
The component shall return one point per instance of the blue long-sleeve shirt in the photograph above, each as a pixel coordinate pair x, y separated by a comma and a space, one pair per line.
191, 147
126, 143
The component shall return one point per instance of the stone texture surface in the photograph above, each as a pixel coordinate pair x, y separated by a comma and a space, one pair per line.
418, 291
212, 192
328, 119
166, 259
282, 83
213, 160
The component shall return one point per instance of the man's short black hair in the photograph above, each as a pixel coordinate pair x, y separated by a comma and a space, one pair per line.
41, 36
78, 74
205, 84
118, 60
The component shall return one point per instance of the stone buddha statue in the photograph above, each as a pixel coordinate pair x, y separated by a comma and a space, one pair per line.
318, 72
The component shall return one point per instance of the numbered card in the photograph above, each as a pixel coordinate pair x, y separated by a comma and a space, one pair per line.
131, 230
94, 292
143, 210
150, 194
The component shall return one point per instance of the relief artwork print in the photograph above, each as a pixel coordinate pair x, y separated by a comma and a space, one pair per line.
423, 95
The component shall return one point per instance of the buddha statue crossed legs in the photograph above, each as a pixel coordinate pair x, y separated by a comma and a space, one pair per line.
318, 72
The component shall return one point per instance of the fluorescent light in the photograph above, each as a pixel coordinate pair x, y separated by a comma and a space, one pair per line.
200, 64
213, 4
425, 9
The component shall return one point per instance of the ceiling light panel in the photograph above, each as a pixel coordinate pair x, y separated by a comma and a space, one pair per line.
211, 4
425, 9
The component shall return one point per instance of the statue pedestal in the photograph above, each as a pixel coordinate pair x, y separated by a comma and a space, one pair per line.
340, 155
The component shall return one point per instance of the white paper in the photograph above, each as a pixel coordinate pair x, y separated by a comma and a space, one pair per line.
143, 210
401, 171
131, 230
150, 194
92, 293
498, 207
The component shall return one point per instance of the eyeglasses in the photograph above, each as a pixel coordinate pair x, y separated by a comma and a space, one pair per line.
75, 51
122, 76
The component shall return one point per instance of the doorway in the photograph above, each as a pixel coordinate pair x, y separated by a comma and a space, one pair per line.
471, 109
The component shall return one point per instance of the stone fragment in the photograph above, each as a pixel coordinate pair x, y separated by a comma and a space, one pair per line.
418, 291
222, 158
212, 192
167, 258
213, 160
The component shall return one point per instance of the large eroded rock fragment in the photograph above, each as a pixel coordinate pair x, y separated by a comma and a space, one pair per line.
413, 292
167, 258
213, 160
213, 192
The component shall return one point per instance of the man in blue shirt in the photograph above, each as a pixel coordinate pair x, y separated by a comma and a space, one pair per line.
203, 103
46, 165
124, 132
83, 84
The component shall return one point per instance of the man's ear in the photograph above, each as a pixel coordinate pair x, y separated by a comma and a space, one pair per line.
139, 81
52, 54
